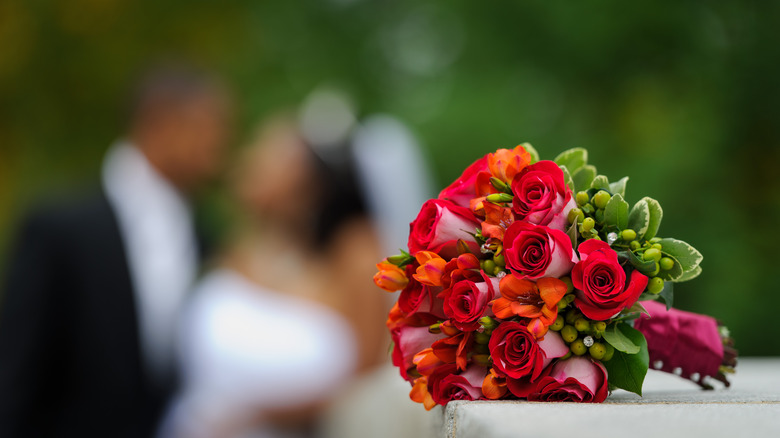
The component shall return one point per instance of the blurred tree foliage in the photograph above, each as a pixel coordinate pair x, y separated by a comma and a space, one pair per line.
681, 95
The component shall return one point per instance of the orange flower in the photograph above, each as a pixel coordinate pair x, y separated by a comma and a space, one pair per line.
536, 301
494, 386
497, 219
504, 164
390, 277
431, 268
426, 362
454, 349
420, 393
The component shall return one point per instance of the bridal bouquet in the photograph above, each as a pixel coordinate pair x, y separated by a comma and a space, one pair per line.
537, 280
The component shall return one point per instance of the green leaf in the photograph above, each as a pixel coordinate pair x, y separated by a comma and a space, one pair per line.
619, 186
641, 265
656, 214
573, 234
616, 212
689, 275
687, 255
673, 274
628, 371
567, 177
600, 182
573, 159
666, 295
618, 336
583, 177
639, 218
531, 150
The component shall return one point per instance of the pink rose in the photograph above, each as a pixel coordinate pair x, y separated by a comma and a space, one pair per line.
534, 251
409, 341
446, 385
541, 196
438, 227
468, 301
600, 281
463, 189
576, 379
521, 357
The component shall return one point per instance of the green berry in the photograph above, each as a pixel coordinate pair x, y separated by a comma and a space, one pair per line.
666, 263
569, 333
634, 245
488, 322
562, 305
588, 223
601, 198
575, 215
582, 325
652, 254
481, 338
578, 347
628, 235
499, 260
657, 246
655, 285
558, 324
588, 208
488, 266
597, 351
566, 356
572, 316
569, 284
582, 198
600, 326
610, 351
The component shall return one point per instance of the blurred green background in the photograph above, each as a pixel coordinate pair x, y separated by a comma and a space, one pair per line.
683, 96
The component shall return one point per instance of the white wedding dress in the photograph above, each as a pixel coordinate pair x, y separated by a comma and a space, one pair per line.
246, 351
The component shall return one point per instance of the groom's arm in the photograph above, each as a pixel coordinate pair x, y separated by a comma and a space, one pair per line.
26, 323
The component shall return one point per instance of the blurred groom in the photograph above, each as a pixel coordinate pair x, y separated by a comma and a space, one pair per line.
94, 284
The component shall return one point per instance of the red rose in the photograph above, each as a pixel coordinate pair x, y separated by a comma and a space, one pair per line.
576, 379
518, 355
600, 281
534, 251
541, 196
462, 190
468, 301
438, 227
446, 385
419, 298
408, 341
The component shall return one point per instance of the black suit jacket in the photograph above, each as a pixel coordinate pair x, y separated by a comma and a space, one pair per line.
70, 358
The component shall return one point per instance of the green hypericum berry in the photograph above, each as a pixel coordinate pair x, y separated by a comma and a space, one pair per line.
558, 324
652, 254
601, 198
562, 305
575, 215
655, 285
488, 322
571, 316
588, 209
570, 297
597, 351
569, 333
481, 338
666, 263
600, 326
488, 266
628, 235
657, 246
569, 284
499, 260
566, 356
588, 223
634, 245
609, 353
582, 198
578, 347
582, 325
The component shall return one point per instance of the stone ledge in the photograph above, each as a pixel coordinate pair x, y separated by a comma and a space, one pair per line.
671, 407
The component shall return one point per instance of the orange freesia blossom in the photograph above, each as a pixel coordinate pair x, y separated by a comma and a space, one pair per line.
536, 301
494, 386
431, 268
420, 393
390, 277
504, 164
497, 219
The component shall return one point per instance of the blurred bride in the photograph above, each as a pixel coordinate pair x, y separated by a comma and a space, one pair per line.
289, 314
